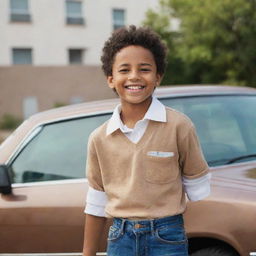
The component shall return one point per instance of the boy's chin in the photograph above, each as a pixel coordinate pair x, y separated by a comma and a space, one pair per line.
137, 101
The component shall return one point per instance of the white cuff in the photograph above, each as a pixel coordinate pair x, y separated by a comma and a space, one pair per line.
197, 189
95, 210
96, 197
96, 202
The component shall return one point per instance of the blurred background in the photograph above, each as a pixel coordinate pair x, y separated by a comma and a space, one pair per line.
50, 49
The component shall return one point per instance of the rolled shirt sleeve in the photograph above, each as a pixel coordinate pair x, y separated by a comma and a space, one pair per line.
194, 168
96, 199
96, 202
198, 188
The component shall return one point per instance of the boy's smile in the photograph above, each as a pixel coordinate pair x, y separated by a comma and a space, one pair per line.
134, 75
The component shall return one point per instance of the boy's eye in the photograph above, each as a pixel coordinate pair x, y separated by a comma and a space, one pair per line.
145, 69
124, 70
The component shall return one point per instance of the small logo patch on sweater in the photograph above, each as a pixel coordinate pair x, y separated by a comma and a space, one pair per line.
160, 154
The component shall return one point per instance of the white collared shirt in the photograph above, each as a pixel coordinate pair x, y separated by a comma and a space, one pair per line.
196, 189
156, 112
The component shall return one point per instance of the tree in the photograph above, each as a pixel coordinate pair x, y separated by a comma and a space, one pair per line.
216, 41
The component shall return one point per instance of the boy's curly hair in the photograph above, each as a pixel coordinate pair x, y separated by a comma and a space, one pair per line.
141, 36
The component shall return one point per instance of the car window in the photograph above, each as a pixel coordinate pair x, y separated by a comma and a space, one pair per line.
226, 125
57, 152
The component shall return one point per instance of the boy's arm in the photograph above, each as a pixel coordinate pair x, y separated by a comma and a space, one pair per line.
95, 233
195, 170
94, 228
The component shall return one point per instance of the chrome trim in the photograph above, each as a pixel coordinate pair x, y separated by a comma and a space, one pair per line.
71, 117
25, 141
199, 94
49, 182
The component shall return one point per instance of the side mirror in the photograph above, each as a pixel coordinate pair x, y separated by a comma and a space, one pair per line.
5, 180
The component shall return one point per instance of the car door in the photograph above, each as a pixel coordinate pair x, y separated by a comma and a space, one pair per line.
45, 211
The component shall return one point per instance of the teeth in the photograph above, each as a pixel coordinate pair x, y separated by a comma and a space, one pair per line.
134, 87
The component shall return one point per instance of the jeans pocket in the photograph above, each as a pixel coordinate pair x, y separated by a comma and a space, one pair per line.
171, 235
114, 233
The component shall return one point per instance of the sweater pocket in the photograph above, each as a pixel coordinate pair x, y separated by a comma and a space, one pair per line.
161, 167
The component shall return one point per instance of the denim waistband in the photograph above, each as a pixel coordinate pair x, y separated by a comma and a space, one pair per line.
148, 224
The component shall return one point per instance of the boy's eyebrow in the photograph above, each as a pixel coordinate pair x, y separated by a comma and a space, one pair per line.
124, 65
145, 64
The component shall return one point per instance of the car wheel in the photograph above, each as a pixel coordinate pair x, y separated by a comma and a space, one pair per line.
214, 251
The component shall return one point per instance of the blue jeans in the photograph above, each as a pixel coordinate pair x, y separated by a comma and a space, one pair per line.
156, 237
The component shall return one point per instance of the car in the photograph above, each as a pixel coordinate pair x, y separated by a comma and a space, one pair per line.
43, 185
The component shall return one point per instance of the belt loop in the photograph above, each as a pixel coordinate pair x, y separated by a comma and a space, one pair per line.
122, 226
152, 227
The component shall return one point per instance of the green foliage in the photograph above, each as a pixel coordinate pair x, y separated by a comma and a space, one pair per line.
214, 44
9, 122
59, 104
161, 24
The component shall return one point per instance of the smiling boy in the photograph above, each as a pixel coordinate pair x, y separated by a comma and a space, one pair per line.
144, 159
134, 77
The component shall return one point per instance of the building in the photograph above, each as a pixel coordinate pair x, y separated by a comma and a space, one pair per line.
62, 32
50, 50
25, 90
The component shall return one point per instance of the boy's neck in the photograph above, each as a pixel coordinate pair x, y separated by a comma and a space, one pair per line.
132, 113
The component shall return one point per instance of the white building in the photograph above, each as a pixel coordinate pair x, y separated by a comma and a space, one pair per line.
62, 32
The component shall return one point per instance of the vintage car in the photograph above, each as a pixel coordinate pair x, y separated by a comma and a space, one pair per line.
43, 183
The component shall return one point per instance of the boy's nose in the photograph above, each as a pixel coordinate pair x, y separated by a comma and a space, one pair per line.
134, 76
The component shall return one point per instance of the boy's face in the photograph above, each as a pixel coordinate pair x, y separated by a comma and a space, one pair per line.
134, 75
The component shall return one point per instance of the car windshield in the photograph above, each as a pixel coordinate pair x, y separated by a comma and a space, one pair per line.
226, 125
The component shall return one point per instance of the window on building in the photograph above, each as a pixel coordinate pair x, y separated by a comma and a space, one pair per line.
118, 18
76, 100
22, 56
74, 12
19, 11
76, 56
30, 106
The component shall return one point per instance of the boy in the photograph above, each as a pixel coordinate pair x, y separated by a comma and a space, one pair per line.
142, 160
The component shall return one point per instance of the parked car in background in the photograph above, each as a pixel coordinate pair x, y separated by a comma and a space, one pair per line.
43, 185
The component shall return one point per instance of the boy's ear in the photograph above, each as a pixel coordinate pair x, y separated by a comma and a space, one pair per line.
158, 79
110, 82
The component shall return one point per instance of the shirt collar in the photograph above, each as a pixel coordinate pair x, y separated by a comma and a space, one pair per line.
156, 112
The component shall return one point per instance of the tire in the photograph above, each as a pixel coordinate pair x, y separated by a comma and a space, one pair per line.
214, 251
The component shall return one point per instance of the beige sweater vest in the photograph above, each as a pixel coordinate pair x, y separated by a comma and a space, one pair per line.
137, 182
